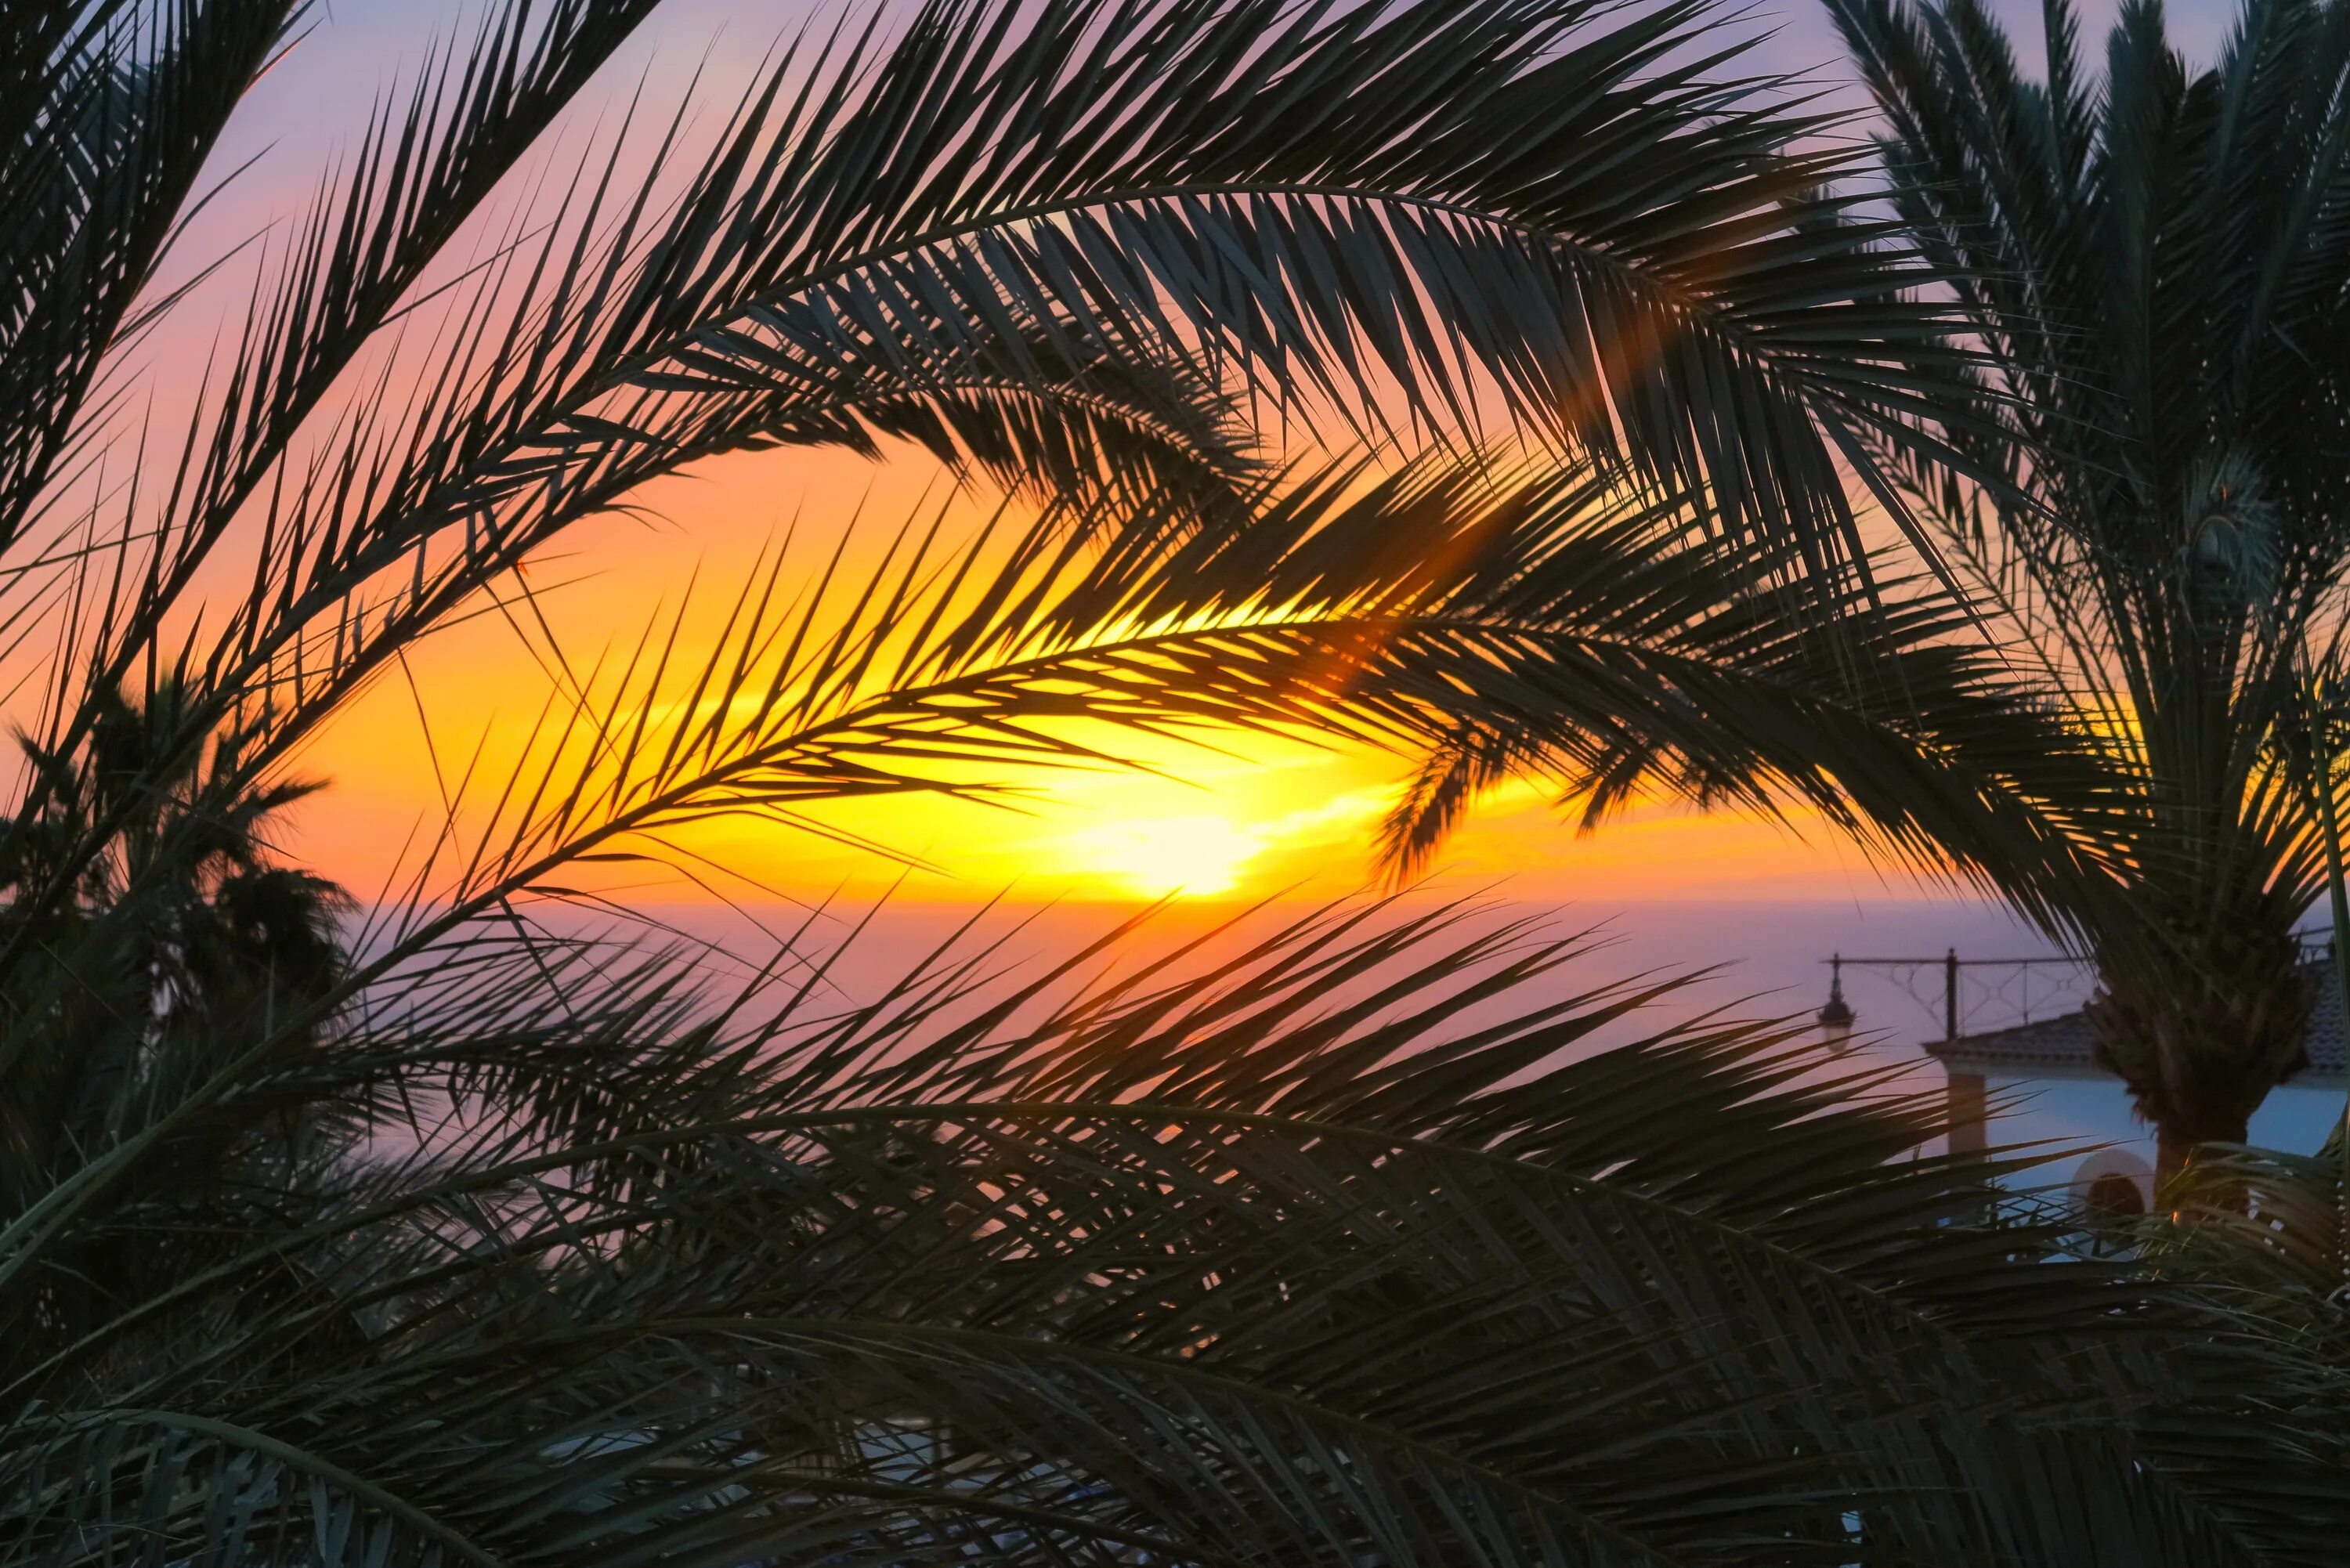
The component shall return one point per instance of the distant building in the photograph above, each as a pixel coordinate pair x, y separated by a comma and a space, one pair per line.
2048, 1069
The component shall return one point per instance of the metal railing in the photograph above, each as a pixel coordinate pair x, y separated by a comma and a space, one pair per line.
2022, 985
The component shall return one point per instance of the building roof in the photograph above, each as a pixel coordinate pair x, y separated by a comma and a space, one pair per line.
2060, 1047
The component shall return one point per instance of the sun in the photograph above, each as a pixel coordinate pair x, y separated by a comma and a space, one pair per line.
1162, 856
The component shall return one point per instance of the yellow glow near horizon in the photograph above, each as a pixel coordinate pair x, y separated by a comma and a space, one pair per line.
1163, 857
1254, 818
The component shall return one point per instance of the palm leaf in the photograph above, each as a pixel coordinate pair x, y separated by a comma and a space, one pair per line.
1155, 1269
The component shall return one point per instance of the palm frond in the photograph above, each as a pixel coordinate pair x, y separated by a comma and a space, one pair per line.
980, 205
1151, 1264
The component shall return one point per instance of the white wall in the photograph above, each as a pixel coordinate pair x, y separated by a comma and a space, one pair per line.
2294, 1117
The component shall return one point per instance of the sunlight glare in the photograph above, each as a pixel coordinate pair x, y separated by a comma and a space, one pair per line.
1157, 856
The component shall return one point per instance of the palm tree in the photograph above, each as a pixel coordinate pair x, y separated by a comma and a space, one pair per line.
2152, 269
490, 1237
129, 1012
2158, 269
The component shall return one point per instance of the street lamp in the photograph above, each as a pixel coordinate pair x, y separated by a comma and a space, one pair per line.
1836, 1019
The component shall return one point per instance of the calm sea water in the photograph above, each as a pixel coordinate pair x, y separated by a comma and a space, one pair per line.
1761, 960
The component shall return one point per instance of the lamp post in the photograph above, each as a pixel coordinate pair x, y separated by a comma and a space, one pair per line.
1836, 1019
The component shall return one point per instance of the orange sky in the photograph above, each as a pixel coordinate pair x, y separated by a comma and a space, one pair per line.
1222, 827
1238, 827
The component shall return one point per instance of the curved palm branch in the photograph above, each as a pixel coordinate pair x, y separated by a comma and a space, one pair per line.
1026, 201
1549, 625
1011, 233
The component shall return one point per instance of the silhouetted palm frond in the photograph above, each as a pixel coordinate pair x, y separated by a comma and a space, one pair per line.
1549, 626
1249, 1254
2137, 485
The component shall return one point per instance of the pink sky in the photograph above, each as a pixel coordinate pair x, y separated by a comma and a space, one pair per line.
1283, 817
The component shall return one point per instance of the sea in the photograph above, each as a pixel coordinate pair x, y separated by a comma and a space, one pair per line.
1763, 960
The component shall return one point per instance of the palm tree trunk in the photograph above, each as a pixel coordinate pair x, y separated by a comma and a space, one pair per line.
2204, 1029
2175, 1148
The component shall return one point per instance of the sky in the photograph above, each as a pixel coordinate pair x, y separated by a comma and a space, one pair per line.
1209, 827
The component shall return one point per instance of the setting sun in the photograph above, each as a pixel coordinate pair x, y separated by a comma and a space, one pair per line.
1158, 857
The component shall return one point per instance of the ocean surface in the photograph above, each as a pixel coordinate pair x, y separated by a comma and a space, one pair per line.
1763, 960
1758, 959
